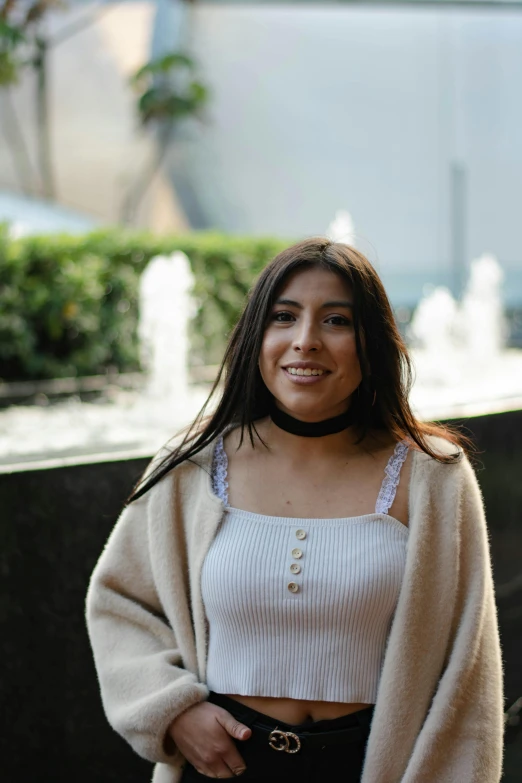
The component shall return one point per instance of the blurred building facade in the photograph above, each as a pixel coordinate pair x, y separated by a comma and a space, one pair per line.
97, 146
407, 117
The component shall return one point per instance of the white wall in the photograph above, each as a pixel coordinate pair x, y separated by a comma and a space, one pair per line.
319, 108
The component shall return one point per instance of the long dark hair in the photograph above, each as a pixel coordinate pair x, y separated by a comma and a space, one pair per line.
381, 400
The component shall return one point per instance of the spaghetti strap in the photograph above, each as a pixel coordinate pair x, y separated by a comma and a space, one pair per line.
220, 471
391, 479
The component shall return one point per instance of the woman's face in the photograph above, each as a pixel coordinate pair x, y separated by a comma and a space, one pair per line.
308, 358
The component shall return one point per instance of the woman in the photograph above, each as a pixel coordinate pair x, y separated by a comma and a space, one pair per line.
301, 589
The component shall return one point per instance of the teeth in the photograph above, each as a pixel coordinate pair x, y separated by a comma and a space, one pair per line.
300, 371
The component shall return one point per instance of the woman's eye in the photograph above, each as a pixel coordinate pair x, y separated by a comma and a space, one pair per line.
339, 320
282, 317
286, 317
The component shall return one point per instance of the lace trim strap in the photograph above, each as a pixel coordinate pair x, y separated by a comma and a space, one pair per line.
220, 471
391, 479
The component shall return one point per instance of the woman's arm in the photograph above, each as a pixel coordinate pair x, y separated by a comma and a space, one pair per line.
140, 671
461, 739
438, 716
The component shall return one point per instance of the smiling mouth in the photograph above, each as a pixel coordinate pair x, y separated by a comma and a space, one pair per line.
306, 371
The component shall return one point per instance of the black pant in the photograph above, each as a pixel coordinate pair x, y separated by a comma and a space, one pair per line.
312, 763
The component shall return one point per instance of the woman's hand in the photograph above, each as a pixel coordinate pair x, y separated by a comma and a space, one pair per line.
203, 734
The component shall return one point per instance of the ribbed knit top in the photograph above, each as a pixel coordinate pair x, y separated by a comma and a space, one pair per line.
301, 608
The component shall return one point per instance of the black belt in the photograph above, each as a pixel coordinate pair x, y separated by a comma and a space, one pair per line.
292, 742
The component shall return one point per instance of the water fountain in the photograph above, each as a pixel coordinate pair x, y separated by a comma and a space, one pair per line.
462, 369
462, 365
342, 228
459, 349
130, 422
165, 308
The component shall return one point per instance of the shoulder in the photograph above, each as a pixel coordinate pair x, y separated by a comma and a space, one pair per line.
435, 471
190, 474
442, 447
439, 477
445, 496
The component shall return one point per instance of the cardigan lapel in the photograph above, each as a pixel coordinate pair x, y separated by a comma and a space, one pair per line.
420, 631
207, 514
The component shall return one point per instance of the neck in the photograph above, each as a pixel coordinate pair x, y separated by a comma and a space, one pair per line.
302, 450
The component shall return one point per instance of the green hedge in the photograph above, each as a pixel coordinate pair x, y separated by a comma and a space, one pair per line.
69, 305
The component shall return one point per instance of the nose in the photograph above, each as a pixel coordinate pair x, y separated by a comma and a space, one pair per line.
307, 338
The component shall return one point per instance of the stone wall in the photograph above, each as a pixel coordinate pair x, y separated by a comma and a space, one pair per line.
54, 525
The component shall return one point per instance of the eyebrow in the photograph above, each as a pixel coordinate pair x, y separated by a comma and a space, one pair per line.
336, 303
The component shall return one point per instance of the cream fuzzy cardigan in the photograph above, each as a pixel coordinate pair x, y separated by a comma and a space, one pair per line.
439, 711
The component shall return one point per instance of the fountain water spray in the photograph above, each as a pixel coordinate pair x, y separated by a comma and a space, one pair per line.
165, 312
459, 348
342, 228
482, 323
474, 328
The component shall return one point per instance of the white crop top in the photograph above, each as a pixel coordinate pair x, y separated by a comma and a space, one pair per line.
301, 608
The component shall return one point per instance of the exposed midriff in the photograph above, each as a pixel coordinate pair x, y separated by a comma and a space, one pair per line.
295, 711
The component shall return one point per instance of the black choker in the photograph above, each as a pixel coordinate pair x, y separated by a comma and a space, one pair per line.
310, 429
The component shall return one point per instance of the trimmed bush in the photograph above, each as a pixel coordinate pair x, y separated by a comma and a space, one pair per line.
69, 305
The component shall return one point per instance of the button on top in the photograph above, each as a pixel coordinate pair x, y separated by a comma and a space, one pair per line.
297, 553
300, 534
295, 568
293, 587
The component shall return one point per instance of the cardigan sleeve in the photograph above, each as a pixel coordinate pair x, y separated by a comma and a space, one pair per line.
462, 737
143, 683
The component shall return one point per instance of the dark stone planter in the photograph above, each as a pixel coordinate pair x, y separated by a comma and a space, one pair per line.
54, 526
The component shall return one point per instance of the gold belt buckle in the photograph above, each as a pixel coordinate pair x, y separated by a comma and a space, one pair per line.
281, 740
